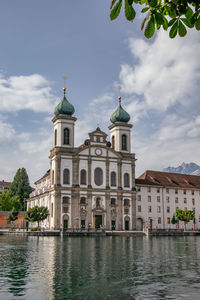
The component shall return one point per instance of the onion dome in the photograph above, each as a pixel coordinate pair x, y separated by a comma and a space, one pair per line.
120, 115
64, 107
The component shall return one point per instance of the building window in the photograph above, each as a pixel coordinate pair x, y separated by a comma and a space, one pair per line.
83, 176
98, 202
177, 207
159, 220
176, 191
184, 192
158, 198
176, 200
139, 208
158, 190
158, 209
112, 201
149, 190
185, 200
149, 209
65, 200
52, 176
113, 142
126, 202
168, 209
167, 199
55, 137
126, 180
167, 191
66, 176
193, 201
98, 176
113, 178
192, 192
83, 200
149, 198
124, 142
66, 136
139, 197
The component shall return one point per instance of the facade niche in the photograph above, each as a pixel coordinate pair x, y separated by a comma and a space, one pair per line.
66, 176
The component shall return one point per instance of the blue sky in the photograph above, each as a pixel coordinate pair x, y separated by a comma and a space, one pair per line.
43, 40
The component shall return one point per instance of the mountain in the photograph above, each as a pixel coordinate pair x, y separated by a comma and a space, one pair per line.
191, 169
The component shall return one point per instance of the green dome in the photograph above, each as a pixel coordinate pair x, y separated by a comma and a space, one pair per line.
64, 108
120, 115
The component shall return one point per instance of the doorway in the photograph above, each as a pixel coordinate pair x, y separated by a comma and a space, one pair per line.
98, 221
82, 224
65, 224
113, 225
126, 225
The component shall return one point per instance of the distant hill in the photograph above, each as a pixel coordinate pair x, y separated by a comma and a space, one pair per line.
191, 169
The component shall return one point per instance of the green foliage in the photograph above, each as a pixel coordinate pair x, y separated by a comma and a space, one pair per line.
184, 215
173, 220
37, 214
8, 202
180, 14
20, 185
12, 216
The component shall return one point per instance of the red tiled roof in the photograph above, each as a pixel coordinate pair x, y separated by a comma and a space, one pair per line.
5, 183
169, 179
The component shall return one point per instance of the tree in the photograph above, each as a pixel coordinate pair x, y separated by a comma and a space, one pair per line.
20, 186
12, 216
37, 214
8, 202
168, 14
185, 216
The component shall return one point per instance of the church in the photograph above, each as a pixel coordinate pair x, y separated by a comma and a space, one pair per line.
91, 186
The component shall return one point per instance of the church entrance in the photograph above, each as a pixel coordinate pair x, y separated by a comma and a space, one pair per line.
65, 224
126, 225
113, 224
97, 221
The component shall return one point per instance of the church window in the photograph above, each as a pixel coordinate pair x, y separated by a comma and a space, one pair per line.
66, 136
66, 176
55, 137
83, 200
83, 176
52, 176
98, 176
113, 142
112, 201
65, 200
113, 179
126, 180
124, 142
98, 139
126, 202
52, 210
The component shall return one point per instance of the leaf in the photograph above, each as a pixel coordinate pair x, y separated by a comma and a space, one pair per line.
150, 28
171, 22
181, 29
112, 3
197, 24
129, 11
116, 10
173, 31
144, 9
187, 23
159, 18
152, 3
143, 22
189, 13
130, 2
165, 23
142, 1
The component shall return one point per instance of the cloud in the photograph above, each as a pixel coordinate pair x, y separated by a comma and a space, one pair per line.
32, 92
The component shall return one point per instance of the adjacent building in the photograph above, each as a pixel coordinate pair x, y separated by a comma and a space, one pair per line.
4, 185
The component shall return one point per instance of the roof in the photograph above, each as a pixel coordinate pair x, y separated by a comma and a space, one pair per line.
167, 179
45, 175
5, 183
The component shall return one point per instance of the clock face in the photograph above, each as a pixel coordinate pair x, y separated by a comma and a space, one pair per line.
98, 151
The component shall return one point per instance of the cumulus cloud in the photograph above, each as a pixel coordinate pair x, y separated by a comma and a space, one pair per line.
31, 92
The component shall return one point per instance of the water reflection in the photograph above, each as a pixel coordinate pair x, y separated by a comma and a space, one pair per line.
99, 268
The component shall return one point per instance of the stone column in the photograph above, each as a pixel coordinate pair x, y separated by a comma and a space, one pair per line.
57, 210
75, 209
119, 211
89, 209
75, 172
107, 174
134, 211
119, 166
108, 212
133, 175
89, 172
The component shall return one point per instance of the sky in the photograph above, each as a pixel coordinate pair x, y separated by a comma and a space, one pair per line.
41, 41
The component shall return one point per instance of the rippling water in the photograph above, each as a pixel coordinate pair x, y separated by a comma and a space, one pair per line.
99, 268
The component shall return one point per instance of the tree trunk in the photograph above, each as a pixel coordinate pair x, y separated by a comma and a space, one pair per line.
185, 226
38, 224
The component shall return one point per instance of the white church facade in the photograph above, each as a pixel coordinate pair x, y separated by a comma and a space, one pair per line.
93, 185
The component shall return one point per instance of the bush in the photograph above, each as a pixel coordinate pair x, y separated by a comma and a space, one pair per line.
34, 229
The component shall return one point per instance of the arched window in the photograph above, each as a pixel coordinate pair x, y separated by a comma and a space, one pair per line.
98, 176
113, 142
83, 200
66, 136
126, 180
55, 137
65, 200
124, 142
113, 179
126, 202
66, 176
52, 176
83, 176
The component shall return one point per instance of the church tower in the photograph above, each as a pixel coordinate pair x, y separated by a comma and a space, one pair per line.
120, 130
